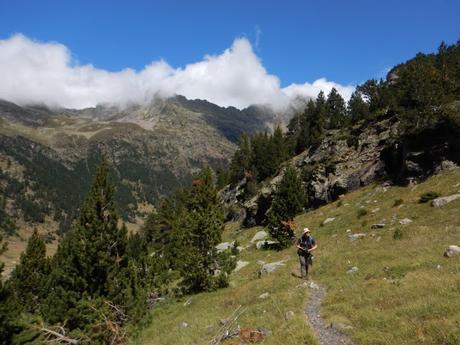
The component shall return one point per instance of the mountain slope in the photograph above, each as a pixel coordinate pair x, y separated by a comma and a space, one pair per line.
403, 291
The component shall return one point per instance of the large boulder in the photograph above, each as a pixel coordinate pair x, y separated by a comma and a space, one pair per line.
438, 202
259, 236
451, 251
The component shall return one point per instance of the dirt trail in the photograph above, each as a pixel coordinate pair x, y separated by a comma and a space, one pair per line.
325, 333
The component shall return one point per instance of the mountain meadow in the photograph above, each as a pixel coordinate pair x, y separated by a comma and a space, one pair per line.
175, 221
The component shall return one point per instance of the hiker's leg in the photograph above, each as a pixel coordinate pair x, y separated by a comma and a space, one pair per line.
303, 266
307, 263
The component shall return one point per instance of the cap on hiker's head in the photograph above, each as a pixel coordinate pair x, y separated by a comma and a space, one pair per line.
306, 230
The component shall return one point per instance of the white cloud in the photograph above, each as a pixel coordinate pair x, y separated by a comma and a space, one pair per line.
37, 72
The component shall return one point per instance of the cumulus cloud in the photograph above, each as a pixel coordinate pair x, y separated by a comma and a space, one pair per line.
37, 72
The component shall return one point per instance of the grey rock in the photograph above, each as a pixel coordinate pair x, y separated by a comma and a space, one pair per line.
352, 270
260, 235
264, 295
224, 246
261, 244
289, 315
240, 264
378, 226
354, 237
271, 267
328, 220
438, 202
451, 251
375, 210
183, 325
313, 286
405, 221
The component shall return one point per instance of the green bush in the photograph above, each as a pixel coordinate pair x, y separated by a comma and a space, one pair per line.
398, 202
362, 212
428, 196
398, 234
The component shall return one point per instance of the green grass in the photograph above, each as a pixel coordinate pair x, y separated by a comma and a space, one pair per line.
405, 291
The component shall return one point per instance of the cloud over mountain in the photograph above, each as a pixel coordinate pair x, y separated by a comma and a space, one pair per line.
37, 72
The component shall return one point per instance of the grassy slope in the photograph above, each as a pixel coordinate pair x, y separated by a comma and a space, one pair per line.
405, 291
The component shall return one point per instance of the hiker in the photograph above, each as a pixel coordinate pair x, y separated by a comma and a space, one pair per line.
305, 245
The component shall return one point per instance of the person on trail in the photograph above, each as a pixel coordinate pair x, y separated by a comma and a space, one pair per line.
305, 245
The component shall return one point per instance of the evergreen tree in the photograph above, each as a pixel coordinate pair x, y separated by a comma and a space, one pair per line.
358, 109
335, 108
318, 121
7, 309
222, 176
91, 260
289, 200
204, 268
241, 160
29, 277
280, 147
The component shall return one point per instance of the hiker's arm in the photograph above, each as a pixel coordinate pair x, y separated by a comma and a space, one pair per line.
313, 248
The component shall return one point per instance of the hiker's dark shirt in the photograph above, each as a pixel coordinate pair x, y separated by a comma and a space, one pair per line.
306, 243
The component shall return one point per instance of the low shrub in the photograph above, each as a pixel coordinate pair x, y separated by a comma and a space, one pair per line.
428, 196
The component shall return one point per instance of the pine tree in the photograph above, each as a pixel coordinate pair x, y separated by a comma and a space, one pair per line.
358, 109
241, 161
335, 108
318, 121
203, 225
289, 200
90, 258
6, 310
29, 277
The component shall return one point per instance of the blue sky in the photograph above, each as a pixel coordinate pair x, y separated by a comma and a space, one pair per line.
346, 42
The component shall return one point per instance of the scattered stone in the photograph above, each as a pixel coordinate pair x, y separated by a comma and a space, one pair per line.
378, 226
259, 236
260, 262
438, 202
348, 230
354, 237
451, 251
375, 210
240, 264
271, 267
224, 246
313, 286
405, 221
183, 325
328, 220
264, 295
378, 239
352, 270
265, 243
289, 315
438, 267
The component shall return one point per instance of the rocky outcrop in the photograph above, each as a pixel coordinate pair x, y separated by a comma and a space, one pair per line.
340, 164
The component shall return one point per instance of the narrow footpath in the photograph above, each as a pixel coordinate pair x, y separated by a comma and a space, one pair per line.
325, 333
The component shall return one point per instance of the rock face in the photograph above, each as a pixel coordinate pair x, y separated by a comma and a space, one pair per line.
339, 166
